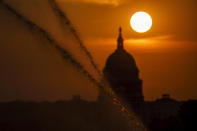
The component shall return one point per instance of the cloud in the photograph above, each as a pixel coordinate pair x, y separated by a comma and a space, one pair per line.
106, 2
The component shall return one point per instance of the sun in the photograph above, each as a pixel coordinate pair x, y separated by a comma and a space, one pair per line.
141, 22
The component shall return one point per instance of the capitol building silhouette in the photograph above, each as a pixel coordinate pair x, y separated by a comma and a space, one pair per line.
122, 73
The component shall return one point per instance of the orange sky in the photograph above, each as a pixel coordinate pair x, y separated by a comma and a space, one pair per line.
166, 55
33, 69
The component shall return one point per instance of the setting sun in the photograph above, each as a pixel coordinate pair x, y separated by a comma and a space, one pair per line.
141, 22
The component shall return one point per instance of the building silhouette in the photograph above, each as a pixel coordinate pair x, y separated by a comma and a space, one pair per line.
123, 75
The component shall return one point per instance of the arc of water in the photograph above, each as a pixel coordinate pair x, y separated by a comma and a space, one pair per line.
63, 17
52, 41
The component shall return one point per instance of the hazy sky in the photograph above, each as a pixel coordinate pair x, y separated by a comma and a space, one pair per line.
166, 55
33, 68
37, 63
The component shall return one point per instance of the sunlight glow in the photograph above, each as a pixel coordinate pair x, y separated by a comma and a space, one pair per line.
141, 22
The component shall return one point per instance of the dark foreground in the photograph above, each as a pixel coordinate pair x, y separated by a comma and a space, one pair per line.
78, 115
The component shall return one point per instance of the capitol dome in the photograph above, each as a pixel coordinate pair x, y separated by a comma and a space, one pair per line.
121, 64
123, 75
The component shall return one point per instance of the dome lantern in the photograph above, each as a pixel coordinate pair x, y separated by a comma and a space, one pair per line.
120, 39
